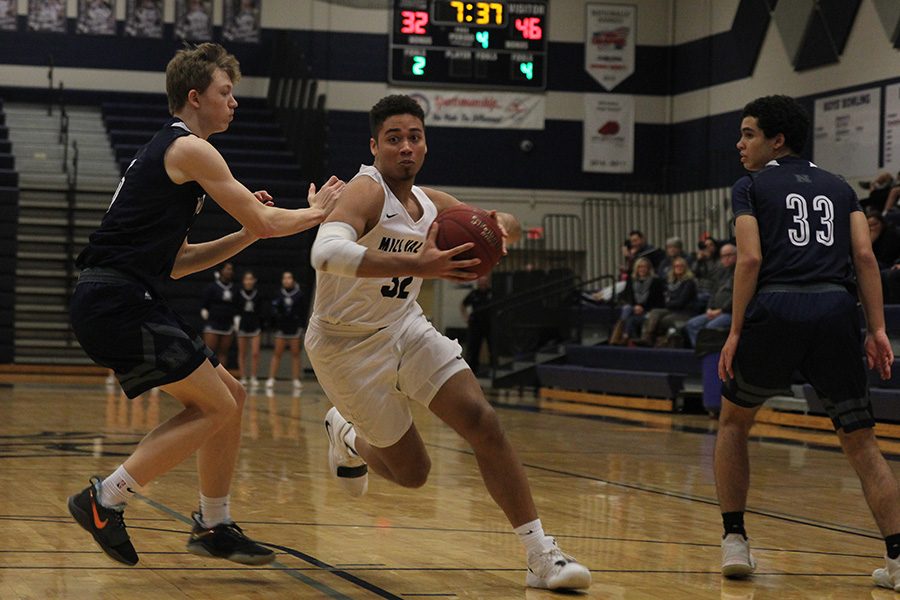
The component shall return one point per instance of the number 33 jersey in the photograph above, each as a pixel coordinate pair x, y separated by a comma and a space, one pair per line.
803, 213
375, 302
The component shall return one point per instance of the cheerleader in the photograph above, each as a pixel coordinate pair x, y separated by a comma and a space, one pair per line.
250, 307
219, 310
289, 318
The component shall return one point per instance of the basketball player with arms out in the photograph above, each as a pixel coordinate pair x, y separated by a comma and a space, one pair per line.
798, 229
374, 351
124, 324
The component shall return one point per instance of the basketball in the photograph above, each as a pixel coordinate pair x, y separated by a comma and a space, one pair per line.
464, 223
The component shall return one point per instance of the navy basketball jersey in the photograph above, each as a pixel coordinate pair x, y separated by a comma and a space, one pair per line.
803, 214
149, 216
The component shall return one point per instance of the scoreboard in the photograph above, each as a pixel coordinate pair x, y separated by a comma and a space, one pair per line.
464, 43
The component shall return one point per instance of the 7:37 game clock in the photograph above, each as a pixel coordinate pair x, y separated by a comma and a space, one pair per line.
468, 43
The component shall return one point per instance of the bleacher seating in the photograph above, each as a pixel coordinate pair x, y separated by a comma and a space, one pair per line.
884, 395
639, 372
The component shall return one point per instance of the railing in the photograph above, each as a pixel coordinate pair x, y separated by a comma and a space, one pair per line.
525, 321
293, 95
50, 91
71, 191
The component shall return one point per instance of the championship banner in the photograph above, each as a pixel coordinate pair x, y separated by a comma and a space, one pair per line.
144, 18
608, 134
47, 15
241, 21
846, 134
891, 127
609, 43
96, 17
489, 110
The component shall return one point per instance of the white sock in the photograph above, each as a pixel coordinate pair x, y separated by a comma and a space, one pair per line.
533, 537
118, 488
214, 511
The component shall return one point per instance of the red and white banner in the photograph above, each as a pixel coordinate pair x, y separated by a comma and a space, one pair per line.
610, 31
608, 134
491, 110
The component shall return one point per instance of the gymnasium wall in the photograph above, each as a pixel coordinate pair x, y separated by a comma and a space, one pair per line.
697, 64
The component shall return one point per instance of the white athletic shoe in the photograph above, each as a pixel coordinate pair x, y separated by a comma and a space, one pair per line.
244, 381
889, 576
270, 383
737, 562
553, 570
298, 385
345, 464
111, 380
254, 383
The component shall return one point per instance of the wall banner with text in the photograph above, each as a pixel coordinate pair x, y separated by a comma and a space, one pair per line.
490, 110
609, 43
608, 134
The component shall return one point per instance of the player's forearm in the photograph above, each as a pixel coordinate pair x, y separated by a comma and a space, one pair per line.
280, 222
746, 273
869, 280
197, 257
377, 263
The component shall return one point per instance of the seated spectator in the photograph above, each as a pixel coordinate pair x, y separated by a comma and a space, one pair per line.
674, 249
680, 296
643, 292
641, 249
627, 263
885, 240
718, 309
883, 192
705, 266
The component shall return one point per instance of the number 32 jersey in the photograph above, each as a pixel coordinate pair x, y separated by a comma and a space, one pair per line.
376, 302
803, 214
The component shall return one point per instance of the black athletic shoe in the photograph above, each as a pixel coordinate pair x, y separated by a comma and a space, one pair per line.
107, 525
226, 541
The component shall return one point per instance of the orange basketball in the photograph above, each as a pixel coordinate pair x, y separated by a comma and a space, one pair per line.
463, 223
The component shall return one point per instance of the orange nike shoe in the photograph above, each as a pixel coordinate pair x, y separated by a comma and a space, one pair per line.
106, 525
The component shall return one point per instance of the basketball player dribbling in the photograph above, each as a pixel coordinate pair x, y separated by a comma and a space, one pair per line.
374, 351
124, 324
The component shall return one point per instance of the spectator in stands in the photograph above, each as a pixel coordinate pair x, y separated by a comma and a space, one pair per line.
718, 309
219, 312
478, 320
289, 313
250, 318
705, 266
885, 239
641, 249
883, 191
627, 264
674, 249
643, 292
680, 296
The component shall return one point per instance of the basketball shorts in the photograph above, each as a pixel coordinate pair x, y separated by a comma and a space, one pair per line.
124, 326
219, 326
372, 376
816, 332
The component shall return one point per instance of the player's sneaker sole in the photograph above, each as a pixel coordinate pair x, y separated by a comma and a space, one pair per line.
106, 525
351, 471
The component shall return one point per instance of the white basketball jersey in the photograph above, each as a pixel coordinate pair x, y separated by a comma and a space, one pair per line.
375, 302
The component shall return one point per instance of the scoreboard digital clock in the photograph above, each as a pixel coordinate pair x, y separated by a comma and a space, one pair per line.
465, 43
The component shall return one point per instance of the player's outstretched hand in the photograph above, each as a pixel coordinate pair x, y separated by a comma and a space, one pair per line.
264, 197
879, 354
327, 197
726, 358
437, 263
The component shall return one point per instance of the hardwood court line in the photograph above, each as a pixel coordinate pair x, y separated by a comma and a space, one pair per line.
689, 497
321, 587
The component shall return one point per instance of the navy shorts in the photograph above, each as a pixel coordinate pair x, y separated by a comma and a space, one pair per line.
122, 325
816, 333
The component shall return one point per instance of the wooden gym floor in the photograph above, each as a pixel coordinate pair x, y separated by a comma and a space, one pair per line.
631, 495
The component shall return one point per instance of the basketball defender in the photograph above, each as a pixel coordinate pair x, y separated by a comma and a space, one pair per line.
374, 351
124, 324
798, 228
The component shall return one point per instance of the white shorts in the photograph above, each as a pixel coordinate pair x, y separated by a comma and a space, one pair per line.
371, 376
